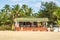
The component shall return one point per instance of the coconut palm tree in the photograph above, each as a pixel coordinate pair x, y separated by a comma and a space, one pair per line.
14, 13
7, 9
27, 11
4, 17
21, 14
57, 14
16, 10
24, 7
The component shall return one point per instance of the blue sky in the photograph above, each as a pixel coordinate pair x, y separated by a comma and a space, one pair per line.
34, 4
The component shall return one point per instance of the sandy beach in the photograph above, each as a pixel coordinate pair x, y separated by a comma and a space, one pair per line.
29, 35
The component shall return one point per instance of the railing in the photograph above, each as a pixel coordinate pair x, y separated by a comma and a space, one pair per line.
31, 29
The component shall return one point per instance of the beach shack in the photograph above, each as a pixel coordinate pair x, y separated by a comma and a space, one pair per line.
29, 24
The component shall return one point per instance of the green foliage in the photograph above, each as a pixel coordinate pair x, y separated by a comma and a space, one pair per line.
5, 27
8, 14
57, 14
47, 10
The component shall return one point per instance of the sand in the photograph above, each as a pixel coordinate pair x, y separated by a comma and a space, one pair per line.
29, 35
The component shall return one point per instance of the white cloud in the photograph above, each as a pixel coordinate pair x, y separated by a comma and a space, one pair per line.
16, 0
48, 0
58, 3
21, 4
37, 4
13, 0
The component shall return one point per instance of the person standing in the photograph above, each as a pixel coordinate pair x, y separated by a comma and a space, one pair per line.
17, 26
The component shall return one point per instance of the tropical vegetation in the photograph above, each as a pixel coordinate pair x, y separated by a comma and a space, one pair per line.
48, 10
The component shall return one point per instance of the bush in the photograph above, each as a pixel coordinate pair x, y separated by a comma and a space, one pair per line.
5, 27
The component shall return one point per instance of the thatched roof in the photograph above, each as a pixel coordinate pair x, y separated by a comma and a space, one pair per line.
31, 19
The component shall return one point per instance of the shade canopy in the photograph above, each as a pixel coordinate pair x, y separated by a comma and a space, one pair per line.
31, 20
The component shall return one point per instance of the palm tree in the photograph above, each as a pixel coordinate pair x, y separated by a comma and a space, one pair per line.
47, 10
24, 7
21, 14
16, 10
2, 13
7, 8
4, 17
27, 11
57, 14
14, 13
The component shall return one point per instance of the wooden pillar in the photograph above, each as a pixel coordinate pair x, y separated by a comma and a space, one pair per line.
39, 24
31, 24
13, 28
46, 24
